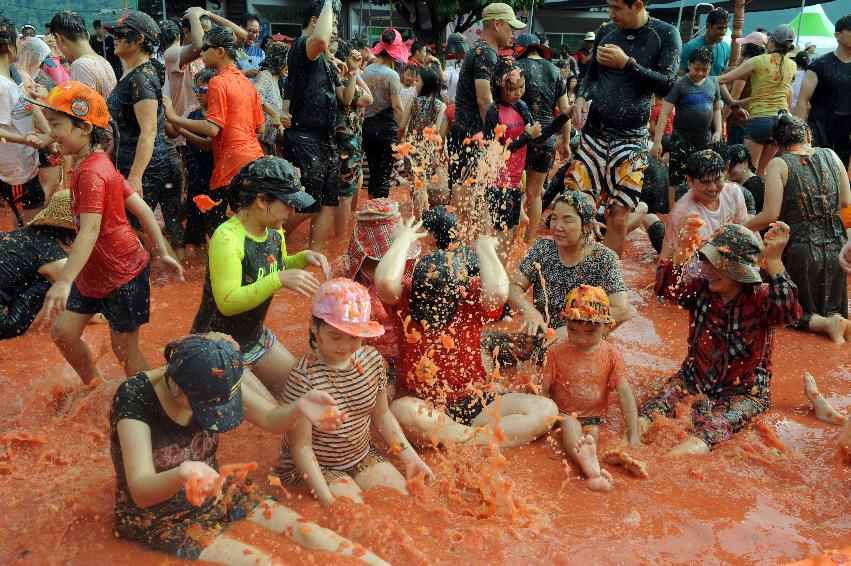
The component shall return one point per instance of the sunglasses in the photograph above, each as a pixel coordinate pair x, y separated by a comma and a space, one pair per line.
199, 89
124, 33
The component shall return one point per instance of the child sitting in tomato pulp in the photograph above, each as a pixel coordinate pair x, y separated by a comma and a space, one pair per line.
344, 462
579, 374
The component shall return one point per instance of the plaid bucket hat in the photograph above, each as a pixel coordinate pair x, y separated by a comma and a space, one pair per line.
735, 252
375, 225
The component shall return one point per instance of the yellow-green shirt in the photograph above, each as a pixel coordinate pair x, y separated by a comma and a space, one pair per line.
771, 84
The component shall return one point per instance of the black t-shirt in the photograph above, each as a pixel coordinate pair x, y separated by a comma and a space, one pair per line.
478, 64
22, 253
142, 83
544, 86
623, 98
583, 67
833, 92
756, 186
312, 91
172, 445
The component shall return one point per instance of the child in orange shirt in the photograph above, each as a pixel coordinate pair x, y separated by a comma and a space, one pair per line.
580, 373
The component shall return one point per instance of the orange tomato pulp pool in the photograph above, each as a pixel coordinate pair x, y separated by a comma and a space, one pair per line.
744, 503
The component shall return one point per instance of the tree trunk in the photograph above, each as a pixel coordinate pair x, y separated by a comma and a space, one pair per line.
738, 24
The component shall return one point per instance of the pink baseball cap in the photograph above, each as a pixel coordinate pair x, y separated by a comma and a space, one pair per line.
398, 50
346, 306
755, 37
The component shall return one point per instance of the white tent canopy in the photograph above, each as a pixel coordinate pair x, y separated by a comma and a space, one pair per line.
815, 27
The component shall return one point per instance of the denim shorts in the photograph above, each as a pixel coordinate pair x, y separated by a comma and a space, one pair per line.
125, 309
759, 129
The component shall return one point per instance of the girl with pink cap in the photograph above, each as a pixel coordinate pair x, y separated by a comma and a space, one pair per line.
354, 376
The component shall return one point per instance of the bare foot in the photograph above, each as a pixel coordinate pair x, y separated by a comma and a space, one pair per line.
836, 329
619, 457
824, 412
585, 453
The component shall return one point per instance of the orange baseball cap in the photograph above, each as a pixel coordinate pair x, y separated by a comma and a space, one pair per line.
79, 101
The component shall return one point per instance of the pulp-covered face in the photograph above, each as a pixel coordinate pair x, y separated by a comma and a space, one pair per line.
336, 346
512, 92
566, 225
71, 139
277, 212
708, 190
623, 16
718, 282
698, 72
585, 335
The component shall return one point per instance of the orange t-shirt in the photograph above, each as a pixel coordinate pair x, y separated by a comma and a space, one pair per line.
233, 105
581, 382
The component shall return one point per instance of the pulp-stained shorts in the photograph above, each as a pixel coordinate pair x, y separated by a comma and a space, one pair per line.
611, 169
319, 164
125, 309
540, 156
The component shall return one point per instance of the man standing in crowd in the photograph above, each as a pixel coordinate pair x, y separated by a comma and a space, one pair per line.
713, 39
473, 96
584, 53
635, 57
28, 31
421, 56
87, 67
546, 92
312, 94
104, 45
825, 98
255, 55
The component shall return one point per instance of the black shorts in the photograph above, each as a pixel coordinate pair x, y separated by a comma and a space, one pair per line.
464, 411
540, 156
462, 158
126, 309
319, 164
504, 206
28, 195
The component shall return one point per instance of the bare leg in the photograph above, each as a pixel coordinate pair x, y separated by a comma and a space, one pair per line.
691, 445
756, 153
616, 225
534, 190
295, 220
67, 332
341, 216
346, 487
824, 412
424, 425
504, 240
636, 217
274, 367
522, 418
320, 227
227, 550
125, 346
307, 535
382, 473
833, 327
845, 438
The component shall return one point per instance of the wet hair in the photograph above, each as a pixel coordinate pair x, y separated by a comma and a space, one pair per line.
313, 10
64, 235
504, 66
762, 30
802, 59
220, 36
97, 24
408, 68
344, 49
250, 18
313, 329
752, 50
842, 24
69, 25
739, 153
169, 32
276, 57
204, 76
629, 3
431, 83
442, 224
146, 45
436, 288
159, 67
8, 34
700, 55
789, 130
717, 16
359, 42
704, 165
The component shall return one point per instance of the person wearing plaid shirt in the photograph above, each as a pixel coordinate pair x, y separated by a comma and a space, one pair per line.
731, 316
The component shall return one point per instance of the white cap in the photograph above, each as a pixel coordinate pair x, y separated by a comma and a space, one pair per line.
590, 36
809, 44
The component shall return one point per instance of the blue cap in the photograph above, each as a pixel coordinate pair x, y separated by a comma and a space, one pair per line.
528, 40
209, 372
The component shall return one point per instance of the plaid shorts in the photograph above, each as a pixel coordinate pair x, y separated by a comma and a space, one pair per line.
611, 169
373, 457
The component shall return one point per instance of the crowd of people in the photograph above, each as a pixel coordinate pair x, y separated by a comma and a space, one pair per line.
236, 145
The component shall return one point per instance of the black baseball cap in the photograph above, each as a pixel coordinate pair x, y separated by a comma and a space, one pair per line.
137, 21
843, 23
276, 177
209, 372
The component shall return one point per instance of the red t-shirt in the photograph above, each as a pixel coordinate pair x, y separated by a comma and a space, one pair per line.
98, 188
233, 105
445, 364
513, 173
654, 117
